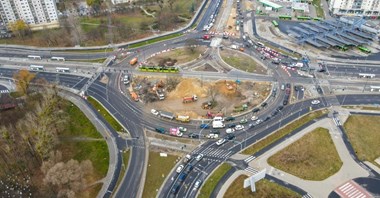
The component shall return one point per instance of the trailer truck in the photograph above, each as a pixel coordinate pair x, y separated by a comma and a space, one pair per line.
167, 115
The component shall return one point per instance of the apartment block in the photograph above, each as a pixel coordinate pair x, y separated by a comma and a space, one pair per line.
369, 8
33, 12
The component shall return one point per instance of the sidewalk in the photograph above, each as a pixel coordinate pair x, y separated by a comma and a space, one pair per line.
348, 171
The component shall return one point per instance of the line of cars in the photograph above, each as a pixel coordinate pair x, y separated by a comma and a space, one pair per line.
184, 169
212, 19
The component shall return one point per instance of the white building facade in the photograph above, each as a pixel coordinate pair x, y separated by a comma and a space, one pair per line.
369, 8
33, 12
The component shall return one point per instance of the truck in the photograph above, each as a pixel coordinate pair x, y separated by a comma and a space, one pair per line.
133, 61
182, 118
134, 96
126, 79
206, 37
190, 99
167, 115
217, 124
175, 132
160, 94
209, 114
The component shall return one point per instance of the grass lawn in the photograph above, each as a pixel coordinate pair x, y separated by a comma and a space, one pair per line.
213, 180
105, 114
100, 60
163, 38
319, 9
313, 157
158, 169
363, 107
282, 132
264, 189
241, 61
182, 55
364, 135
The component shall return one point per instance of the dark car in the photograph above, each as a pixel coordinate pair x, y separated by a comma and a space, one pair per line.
175, 188
182, 177
264, 104
229, 137
160, 130
267, 118
285, 102
229, 119
287, 85
255, 110
279, 108
193, 135
274, 113
295, 88
188, 169
214, 131
231, 125
204, 126
287, 91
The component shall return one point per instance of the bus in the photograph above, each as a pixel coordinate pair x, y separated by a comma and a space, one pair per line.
274, 22
34, 57
63, 69
57, 58
285, 17
364, 49
362, 75
343, 48
303, 18
36, 68
317, 19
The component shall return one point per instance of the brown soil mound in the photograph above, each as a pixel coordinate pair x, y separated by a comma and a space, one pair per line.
187, 88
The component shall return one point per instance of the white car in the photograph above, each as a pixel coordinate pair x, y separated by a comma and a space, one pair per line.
179, 169
182, 129
212, 136
221, 141
259, 121
197, 184
154, 112
199, 157
239, 127
230, 130
254, 118
315, 102
179, 134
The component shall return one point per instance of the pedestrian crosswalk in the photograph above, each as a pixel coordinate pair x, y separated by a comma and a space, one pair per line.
250, 158
251, 170
337, 121
307, 196
352, 190
212, 152
4, 91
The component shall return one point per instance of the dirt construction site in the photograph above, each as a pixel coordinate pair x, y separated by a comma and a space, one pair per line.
226, 97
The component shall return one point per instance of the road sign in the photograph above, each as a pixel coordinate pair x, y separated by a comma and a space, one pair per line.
253, 179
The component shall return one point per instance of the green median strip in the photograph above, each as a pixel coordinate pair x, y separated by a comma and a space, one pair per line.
151, 41
114, 124
99, 60
213, 180
283, 132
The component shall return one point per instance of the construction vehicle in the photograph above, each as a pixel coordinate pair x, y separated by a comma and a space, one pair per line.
209, 114
160, 94
241, 108
133, 61
134, 96
167, 115
190, 99
207, 105
182, 118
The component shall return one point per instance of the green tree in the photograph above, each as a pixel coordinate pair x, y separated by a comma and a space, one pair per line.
93, 2
23, 78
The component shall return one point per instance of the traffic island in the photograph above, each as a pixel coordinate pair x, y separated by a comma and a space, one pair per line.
312, 157
212, 180
264, 188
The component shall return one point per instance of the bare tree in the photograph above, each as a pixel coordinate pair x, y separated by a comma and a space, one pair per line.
171, 83
213, 93
191, 45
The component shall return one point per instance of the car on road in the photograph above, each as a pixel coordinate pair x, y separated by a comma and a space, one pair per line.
243, 121
231, 125
188, 169
239, 127
279, 108
274, 113
230, 130
229, 136
197, 184
199, 157
267, 118
285, 102
212, 136
182, 129
251, 125
179, 169
221, 141
193, 135
204, 126
215, 131
154, 112
264, 104
259, 121
288, 85
229, 119
182, 177
255, 110
176, 188
315, 102
282, 87
254, 118
160, 130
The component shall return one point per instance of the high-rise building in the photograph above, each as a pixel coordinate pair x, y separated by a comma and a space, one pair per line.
33, 12
355, 7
